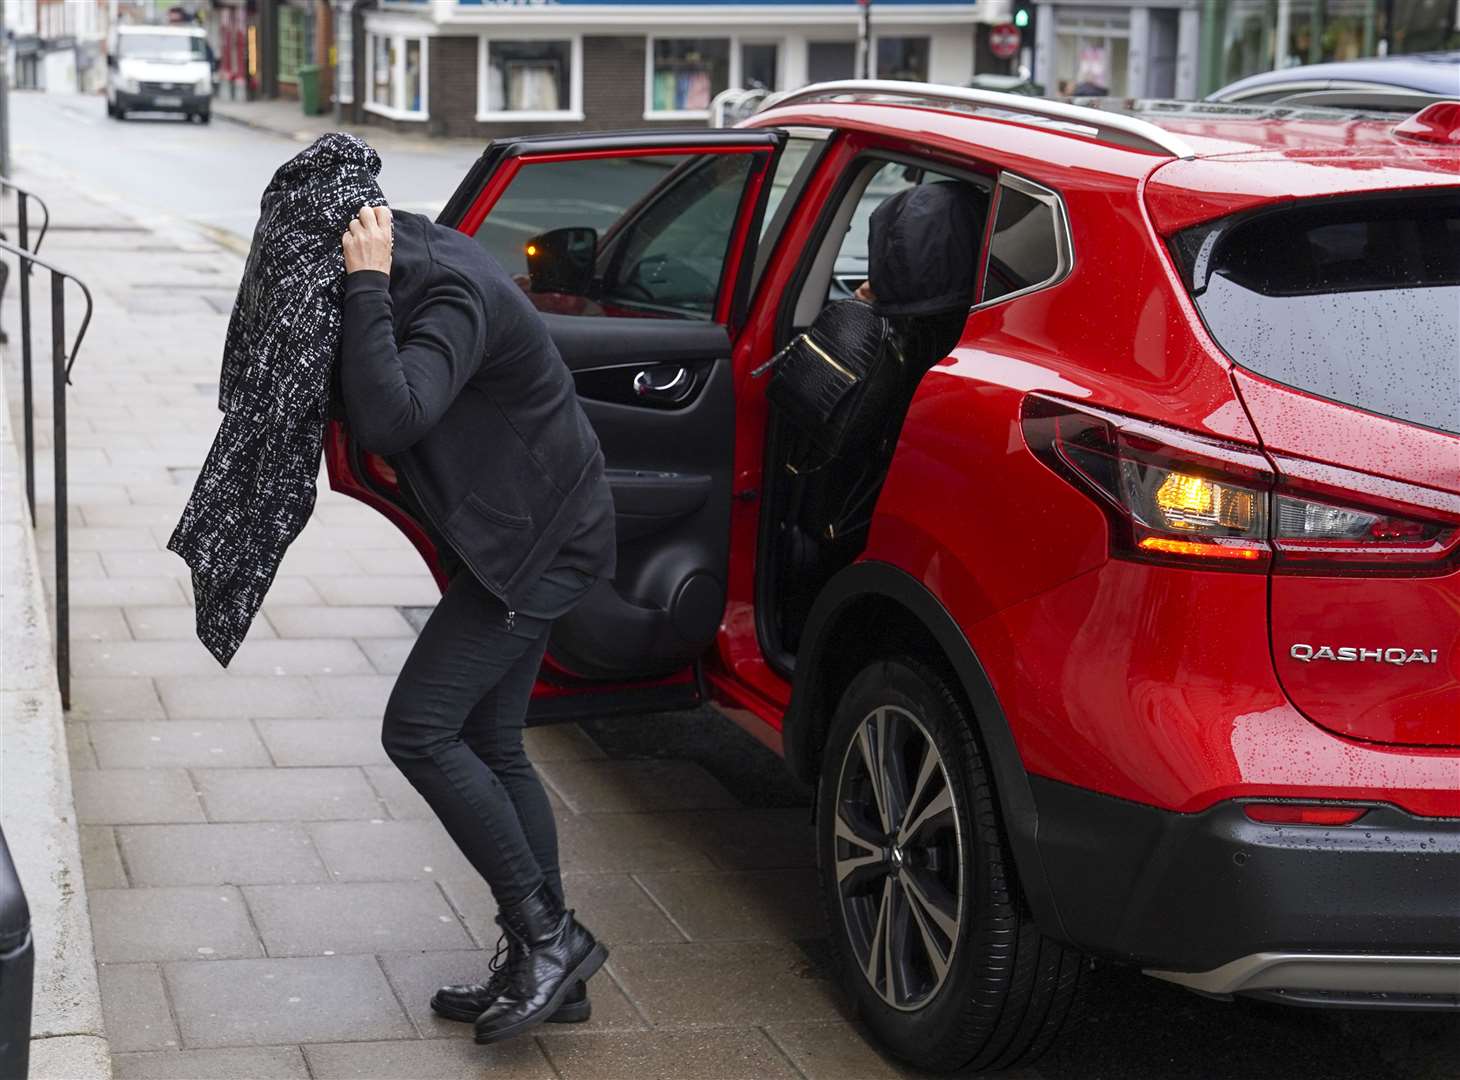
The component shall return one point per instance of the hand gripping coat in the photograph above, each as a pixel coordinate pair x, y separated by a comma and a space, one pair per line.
256, 489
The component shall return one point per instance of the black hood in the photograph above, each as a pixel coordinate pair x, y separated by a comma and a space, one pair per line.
923, 247
410, 258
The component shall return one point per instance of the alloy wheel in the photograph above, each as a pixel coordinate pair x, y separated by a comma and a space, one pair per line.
899, 857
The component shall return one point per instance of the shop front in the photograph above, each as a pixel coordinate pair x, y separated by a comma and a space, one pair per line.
236, 46
1252, 36
492, 69
1095, 49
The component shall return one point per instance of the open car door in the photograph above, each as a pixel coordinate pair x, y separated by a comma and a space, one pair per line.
637, 248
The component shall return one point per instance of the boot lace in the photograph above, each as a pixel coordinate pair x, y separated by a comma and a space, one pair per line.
499, 967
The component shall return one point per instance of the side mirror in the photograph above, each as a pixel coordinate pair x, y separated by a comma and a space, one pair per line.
562, 260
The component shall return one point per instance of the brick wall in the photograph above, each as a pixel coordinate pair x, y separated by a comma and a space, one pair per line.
613, 82
613, 90
453, 98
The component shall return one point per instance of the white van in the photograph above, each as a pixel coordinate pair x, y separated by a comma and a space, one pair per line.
159, 69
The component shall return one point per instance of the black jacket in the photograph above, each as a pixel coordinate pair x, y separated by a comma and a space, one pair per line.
256, 488
447, 369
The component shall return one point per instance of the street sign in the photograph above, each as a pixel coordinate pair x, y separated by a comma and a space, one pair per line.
1004, 40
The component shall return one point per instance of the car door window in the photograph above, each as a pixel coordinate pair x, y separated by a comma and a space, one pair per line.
633, 235
793, 169
1030, 246
851, 259
669, 256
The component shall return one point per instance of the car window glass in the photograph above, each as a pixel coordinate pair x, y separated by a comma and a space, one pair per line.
793, 168
1358, 302
1024, 251
162, 47
668, 258
851, 258
634, 235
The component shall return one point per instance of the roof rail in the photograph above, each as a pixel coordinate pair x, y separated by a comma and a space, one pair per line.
1109, 127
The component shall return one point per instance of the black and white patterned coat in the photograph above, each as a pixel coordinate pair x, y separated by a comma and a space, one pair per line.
256, 489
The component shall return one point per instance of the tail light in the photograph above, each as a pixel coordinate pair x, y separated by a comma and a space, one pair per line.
1174, 497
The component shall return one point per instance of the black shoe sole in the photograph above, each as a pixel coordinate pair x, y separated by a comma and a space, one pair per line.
582, 973
578, 1012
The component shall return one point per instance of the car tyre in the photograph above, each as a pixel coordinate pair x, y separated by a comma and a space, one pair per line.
205, 117
964, 981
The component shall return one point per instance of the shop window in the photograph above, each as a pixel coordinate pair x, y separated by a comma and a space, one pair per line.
1258, 35
396, 76
760, 65
293, 46
382, 64
903, 58
1092, 54
1419, 26
345, 61
686, 73
530, 80
827, 61
414, 87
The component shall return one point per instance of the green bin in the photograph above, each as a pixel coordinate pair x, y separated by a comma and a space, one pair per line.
309, 89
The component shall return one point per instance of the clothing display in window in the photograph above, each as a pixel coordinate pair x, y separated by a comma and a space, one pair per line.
256, 489
532, 85
681, 88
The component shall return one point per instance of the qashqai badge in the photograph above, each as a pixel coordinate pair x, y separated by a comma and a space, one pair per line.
1352, 654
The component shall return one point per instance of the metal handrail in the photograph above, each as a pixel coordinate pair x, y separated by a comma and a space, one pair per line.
1110, 127
22, 203
6, 182
61, 364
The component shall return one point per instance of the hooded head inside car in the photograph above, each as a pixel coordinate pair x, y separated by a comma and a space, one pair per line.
923, 246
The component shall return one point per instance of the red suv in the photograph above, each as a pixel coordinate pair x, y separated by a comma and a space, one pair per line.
1137, 635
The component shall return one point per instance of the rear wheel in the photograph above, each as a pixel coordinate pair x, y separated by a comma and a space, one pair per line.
936, 947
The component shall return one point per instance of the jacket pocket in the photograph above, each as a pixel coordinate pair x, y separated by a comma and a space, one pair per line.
492, 542
499, 517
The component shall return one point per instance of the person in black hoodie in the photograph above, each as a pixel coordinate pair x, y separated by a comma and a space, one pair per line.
447, 370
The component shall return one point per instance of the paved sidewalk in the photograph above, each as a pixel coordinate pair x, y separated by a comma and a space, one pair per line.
269, 898
283, 117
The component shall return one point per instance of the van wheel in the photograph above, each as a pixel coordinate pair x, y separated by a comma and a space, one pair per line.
935, 944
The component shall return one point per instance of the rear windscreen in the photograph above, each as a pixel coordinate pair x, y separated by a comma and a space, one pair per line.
1355, 300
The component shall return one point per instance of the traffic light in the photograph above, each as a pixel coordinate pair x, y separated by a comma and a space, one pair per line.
1023, 15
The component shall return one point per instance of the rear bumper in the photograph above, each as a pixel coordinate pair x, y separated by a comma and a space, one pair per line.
1226, 905
1354, 979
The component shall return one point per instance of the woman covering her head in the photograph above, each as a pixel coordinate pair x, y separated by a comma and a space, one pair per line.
448, 371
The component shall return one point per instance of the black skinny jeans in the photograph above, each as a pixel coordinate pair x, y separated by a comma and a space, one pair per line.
454, 728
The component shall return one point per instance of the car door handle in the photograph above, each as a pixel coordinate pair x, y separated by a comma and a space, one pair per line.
663, 386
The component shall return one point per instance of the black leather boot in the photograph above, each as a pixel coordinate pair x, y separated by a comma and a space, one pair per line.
558, 952
468, 1001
